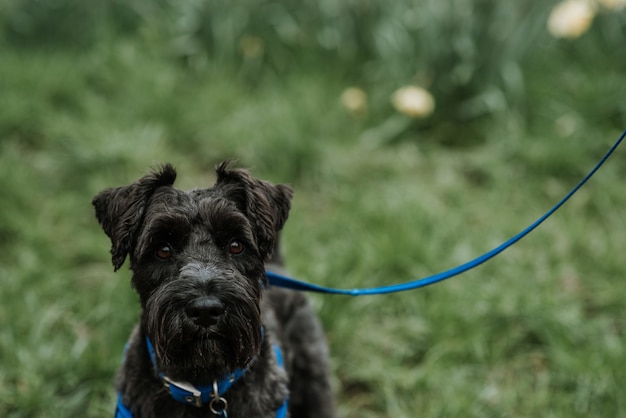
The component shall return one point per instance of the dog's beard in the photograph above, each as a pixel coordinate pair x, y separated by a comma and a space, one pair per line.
186, 351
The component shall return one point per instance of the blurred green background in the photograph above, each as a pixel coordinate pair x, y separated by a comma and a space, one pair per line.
94, 93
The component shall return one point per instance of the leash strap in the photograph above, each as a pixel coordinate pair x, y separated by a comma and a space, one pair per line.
290, 283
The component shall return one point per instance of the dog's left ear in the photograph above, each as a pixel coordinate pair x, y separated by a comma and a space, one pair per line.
120, 210
265, 204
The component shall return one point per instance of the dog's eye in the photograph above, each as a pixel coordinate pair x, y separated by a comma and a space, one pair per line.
164, 252
235, 247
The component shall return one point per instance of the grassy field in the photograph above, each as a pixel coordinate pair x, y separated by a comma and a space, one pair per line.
380, 198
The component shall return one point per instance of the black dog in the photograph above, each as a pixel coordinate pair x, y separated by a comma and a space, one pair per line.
212, 339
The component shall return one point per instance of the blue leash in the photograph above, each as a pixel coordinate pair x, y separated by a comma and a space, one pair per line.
287, 282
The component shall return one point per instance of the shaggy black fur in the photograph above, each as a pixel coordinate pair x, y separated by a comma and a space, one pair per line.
198, 260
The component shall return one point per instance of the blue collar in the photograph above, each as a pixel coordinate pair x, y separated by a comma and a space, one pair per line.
187, 393
212, 395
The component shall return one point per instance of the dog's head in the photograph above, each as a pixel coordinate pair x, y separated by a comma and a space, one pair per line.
198, 261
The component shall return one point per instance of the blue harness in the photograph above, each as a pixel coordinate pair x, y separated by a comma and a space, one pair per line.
211, 395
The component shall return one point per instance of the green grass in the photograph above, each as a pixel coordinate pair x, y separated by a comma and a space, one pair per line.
537, 332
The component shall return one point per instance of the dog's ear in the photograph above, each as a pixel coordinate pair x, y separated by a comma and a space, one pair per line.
120, 210
265, 204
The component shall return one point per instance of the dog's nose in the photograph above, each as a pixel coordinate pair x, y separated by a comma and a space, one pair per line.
205, 311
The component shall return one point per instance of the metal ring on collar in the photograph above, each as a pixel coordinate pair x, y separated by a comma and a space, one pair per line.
217, 404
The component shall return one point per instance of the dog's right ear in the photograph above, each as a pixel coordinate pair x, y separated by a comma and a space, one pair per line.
120, 210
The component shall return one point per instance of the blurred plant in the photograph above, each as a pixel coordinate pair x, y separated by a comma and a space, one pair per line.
413, 101
65, 23
571, 18
355, 101
474, 57
612, 4
252, 47
467, 52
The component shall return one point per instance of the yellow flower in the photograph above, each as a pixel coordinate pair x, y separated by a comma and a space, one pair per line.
571, 18
354, 100
413, 101
613, 4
